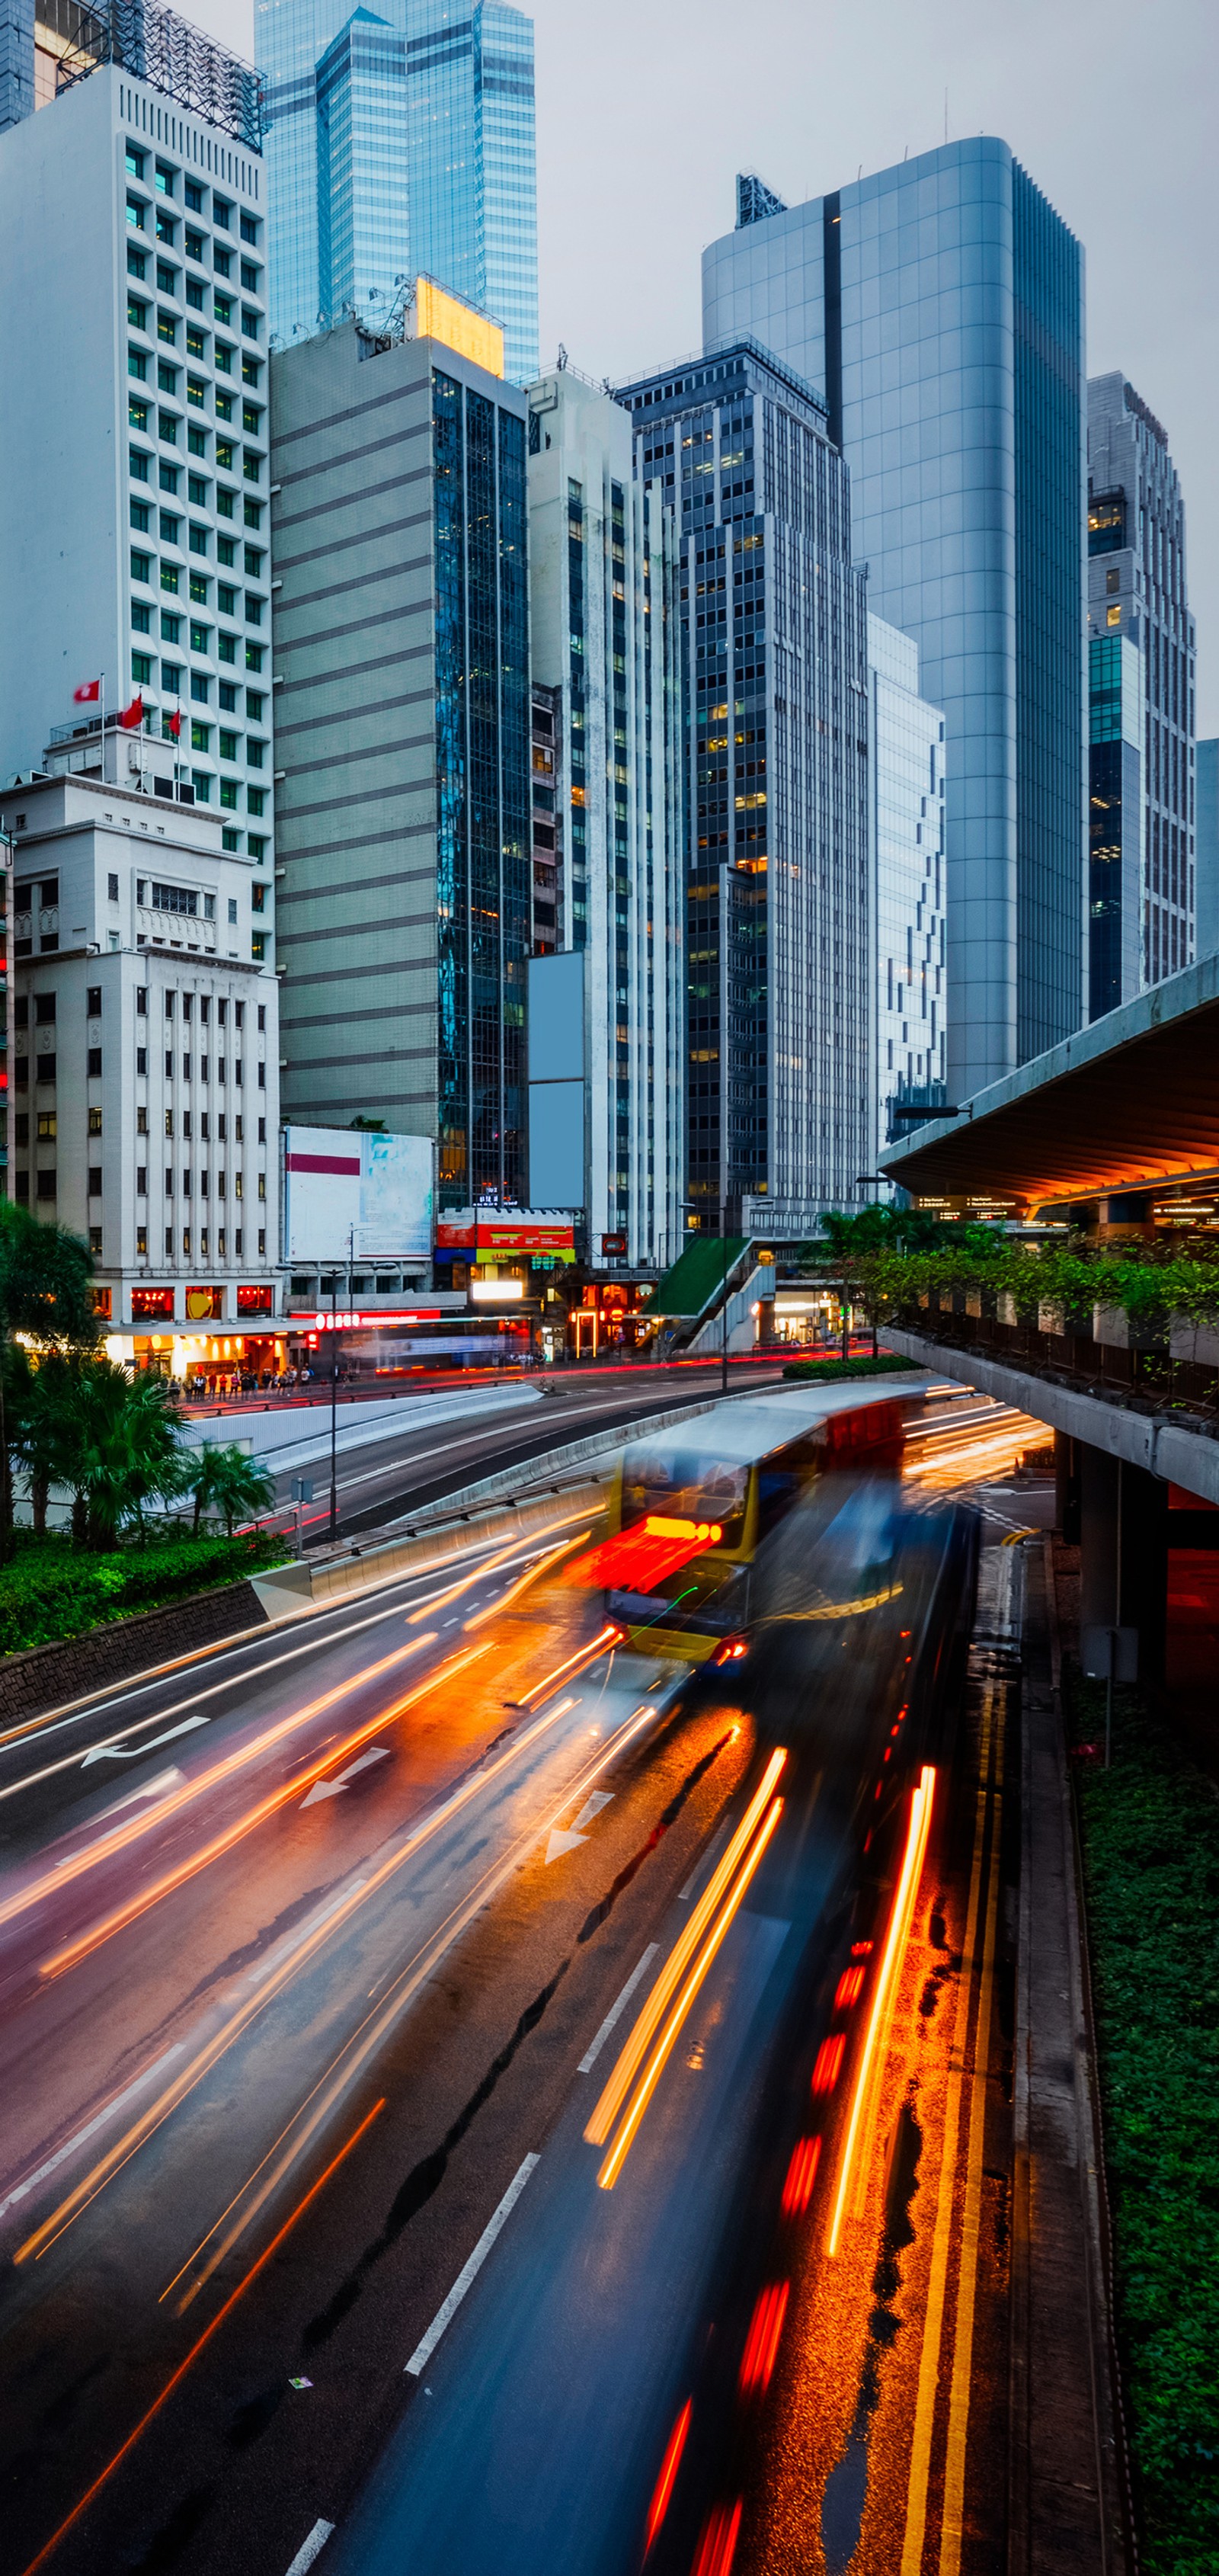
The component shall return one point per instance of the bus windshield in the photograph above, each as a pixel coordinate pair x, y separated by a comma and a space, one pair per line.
686, 1485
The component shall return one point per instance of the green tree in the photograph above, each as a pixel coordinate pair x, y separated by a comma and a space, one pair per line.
40, 1422
45, 1275
126, 1449
225, 1480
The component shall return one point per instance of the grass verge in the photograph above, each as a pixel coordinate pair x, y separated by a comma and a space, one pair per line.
51, 1591
1150, 1835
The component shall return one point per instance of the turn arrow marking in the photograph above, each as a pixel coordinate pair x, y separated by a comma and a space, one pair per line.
560, 1842
134, 1752
331, 1788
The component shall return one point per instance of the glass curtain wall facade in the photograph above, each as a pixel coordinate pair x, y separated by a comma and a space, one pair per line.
439, 177
1116, 861
909, 874
361, 169
604, 579
483, 900
940, 305
1137, 592
778, 907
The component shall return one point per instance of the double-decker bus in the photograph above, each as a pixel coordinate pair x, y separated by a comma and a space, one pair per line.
693, 1507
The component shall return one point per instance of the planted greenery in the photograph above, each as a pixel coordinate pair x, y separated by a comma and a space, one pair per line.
51, 1590
1150, 1832
894, 1262
822, 1371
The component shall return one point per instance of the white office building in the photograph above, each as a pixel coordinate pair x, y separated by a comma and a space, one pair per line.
909, 885
144, 1072
133, 437
607, 1009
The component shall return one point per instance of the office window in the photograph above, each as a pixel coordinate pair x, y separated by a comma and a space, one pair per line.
253, 609
196, 487
224, 358
136, 211
141, 617
169, 577
167, 427
140, 462
225, 504
140, 515
226, 598
171, 626
200, 736
199, 635
196, 392
165, 179
112, 886
141, 669
196, 341
202, 784
196, 440
1113, 617
199, 588
255, 752
228, 794
256, 800
229, 839
168, 479
135, 161
249, 228
137, 418
137, 313
222, 212
200, 687
171, 679
194, 297
137, 365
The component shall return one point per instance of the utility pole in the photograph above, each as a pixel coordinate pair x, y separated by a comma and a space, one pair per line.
334, 1404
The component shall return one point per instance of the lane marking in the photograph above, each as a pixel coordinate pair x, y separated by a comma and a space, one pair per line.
177, 2376
875, 2049
952, 2515
706, 1860
309, 2548
335, 1788
91, 2128
592, 2053
929, 2361
423, 2351
135, 1752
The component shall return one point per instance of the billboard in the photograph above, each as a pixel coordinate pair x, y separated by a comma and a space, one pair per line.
354, 1194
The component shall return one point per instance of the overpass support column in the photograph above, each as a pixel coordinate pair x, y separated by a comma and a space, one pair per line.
1123, 1560
1066, 1487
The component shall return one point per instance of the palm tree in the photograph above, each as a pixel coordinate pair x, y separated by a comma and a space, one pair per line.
40, 1424
224, 1478
125, 1448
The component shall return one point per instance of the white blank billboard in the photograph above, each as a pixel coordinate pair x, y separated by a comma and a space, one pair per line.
358, 1195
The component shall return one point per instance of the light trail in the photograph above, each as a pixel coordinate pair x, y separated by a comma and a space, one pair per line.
917, 1832
531, 1574
377, 2024
662, 2493
192, 2356
662, 2051
167, 1885
631, 2058
610, 1635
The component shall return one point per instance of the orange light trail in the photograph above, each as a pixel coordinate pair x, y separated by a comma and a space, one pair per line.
659, 2059
669, 2466
631, 2058
917, 1832
196, 2348
542, 1565
171, 1880
121, 1837
608, 1636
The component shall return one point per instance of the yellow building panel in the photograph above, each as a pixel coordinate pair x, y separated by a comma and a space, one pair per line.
445, 317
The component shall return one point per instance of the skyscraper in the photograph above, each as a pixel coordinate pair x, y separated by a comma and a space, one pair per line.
1207, 859
908, 868
136, 578
1142, 888
136, 539
400, 141
404, 722
778, 932
940, 307
606, 630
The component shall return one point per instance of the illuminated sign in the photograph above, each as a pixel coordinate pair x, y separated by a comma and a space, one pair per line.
493, 1292
202, 1302
359, 1319
461, 326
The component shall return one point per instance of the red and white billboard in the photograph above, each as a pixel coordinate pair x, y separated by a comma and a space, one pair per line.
356, 1194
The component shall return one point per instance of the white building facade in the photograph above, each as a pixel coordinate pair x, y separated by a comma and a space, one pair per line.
134, 443
909, 884
144, 1071
606, 645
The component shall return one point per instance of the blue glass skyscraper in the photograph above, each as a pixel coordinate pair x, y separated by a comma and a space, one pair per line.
400, 141
940, 306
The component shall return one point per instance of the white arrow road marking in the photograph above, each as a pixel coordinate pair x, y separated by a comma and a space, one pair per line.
135, 1752
565, 1841
331, 1788
592, 1807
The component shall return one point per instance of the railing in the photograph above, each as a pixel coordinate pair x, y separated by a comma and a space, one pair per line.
1144, 1379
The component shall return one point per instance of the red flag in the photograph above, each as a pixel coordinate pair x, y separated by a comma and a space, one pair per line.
88, 693
173, 724
133, 716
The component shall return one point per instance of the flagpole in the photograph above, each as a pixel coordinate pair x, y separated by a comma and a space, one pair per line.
102, 697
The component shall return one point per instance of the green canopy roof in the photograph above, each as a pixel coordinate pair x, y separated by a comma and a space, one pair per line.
695, 1280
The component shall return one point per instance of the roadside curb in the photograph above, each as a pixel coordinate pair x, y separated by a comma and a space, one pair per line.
1067, 2512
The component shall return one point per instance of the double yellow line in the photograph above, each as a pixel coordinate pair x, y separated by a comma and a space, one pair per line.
669, 2002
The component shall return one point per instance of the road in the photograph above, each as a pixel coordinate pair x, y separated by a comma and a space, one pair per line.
391, 1478
293, 1999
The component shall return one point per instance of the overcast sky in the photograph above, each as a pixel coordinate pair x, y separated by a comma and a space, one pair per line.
648, 108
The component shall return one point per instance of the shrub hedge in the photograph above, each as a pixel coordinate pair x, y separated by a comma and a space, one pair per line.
51, 1590
1150, 1835
824, 1370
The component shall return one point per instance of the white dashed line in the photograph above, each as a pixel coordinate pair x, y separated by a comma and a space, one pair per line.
423, 2351
591, 2054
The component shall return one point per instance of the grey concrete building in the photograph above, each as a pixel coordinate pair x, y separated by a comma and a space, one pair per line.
938, 306
1142, 888
403, 725
606, 627
778, 915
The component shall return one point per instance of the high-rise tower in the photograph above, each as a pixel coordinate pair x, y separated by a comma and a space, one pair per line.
400, 141
939, 305
1142, 889
778, 915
